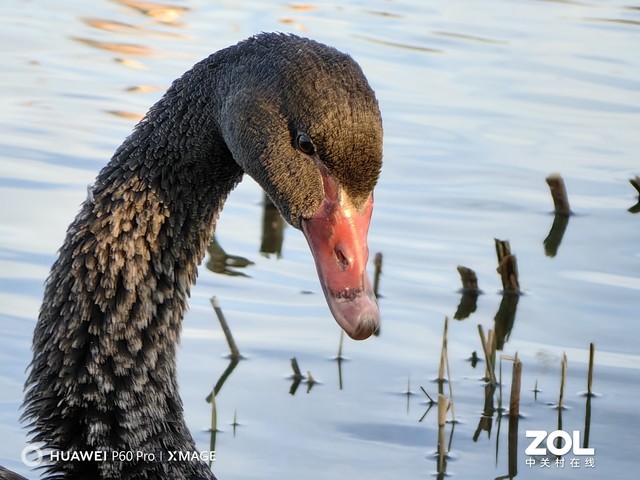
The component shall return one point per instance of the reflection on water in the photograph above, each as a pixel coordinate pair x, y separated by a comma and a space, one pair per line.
160, 12
126, 115
636, 184
143, 89
123, 48
273, 226
271, 242
128, 28
220, 261
479, 104
505, 318
389, 43
109, 25
471, 38
554, 238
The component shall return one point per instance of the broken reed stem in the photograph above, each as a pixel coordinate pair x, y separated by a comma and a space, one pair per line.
377, 264
559, 194
563, 377
297, 375
490, 373
444, 359
310, 380
507, 267
491, 348
235, 353
590, 374
444, 350
452, 402
443, 406
469, 280
503, 248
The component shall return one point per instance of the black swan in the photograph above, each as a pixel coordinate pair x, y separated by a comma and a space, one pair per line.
297, 116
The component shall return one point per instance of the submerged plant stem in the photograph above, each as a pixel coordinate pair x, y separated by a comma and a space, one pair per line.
235, 353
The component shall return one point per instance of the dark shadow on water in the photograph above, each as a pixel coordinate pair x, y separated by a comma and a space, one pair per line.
635, 182
505, 318
211, 398
294, 385
443, 451
224, 263
468, 304
233, 363
298, 378
470, 292
234, 360
486, 419
553, 240
273, 226
339, 359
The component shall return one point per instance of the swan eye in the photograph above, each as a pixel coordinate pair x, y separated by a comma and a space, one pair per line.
304, 144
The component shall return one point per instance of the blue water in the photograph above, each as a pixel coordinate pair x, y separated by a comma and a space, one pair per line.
480, 101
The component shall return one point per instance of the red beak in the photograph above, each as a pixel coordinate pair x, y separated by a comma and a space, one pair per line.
337, 237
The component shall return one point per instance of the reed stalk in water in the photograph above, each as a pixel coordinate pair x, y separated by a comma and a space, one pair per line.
559, 194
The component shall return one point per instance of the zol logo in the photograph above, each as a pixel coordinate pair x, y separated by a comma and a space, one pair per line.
571, 443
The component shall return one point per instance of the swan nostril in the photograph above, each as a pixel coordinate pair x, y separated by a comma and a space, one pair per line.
343, 261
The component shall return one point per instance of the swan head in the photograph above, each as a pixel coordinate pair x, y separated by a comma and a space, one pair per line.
305, 124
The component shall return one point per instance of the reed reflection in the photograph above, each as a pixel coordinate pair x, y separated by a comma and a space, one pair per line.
234, 360
635, 182
121, 48
137, 46
339, 359
219, 261
128, 28
494, 411
488, 410
298, 378
271, 243
554, 238
443, 449
506, 314
470, 292
562, 212
273, 226
589, 394
505, 319
162, 13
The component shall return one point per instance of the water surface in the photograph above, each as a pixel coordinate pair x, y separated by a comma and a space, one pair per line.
481, 101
